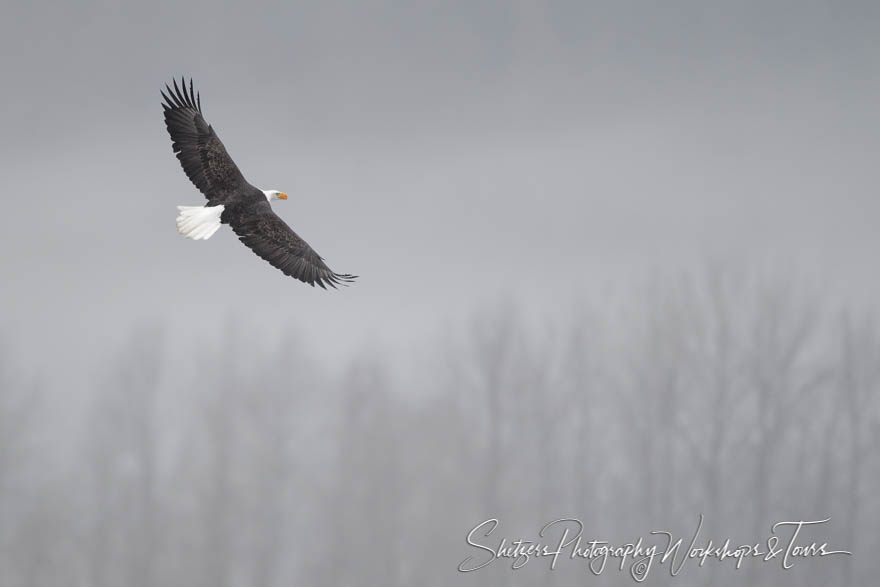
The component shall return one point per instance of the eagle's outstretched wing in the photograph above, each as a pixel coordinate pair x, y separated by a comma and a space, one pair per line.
202, 155
270, 238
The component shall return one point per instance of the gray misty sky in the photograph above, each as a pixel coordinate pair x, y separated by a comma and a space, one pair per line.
447, 152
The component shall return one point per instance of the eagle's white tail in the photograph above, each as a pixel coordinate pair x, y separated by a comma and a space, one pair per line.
198, 222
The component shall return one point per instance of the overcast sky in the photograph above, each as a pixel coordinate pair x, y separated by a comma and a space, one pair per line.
447, 152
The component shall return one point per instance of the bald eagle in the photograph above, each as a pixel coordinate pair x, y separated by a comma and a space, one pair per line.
231, 199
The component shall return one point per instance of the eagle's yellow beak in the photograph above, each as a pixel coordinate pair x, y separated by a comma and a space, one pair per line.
282, 196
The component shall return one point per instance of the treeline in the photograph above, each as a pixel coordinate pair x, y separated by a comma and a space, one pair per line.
747, 400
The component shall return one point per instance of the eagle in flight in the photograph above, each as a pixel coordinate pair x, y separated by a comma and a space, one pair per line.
231, 199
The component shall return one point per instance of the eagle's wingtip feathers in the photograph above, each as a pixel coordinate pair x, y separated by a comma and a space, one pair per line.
180, 96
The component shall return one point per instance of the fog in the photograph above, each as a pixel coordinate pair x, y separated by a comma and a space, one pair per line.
617, 264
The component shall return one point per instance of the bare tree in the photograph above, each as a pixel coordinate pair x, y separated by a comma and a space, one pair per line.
859, 369
122, 458
22, 546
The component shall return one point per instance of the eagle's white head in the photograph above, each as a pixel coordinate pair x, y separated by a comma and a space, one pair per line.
274, 195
